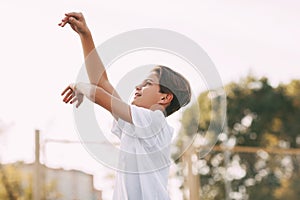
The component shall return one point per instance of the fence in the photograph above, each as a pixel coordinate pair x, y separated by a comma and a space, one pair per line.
192, 183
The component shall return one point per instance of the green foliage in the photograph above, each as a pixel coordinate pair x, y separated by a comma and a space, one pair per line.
258, 115
10, 186
15, 185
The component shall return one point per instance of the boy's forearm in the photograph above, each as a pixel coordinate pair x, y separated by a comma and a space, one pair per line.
94, 66
106, 100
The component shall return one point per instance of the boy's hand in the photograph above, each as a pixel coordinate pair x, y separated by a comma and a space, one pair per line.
76, 21
72, 95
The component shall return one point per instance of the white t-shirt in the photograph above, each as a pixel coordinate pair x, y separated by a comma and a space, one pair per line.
144, 156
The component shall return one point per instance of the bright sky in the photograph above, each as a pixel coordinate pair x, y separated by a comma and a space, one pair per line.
39, 59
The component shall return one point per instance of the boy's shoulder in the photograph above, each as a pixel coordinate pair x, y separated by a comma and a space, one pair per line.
144, 117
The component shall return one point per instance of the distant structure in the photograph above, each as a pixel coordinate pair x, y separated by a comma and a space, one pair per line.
67, 184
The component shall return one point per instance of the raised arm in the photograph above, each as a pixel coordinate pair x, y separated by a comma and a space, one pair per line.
94, 66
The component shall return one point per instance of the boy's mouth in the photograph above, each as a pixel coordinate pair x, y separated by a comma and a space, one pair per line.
137, 95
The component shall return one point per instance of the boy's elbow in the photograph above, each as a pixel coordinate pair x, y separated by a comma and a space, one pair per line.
103, 81
106, 85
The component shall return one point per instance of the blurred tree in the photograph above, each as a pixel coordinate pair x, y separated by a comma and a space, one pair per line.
258, 115
20, 185
8, 188
14, 185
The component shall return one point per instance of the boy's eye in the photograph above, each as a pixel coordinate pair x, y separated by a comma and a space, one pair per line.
147, 83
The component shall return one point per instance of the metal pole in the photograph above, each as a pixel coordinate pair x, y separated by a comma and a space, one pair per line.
193, 181
227, 154
226, 181
37, 184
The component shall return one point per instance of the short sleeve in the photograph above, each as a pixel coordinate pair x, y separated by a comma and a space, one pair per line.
147, 123
118, 127
121, 127
141, 117
150, 127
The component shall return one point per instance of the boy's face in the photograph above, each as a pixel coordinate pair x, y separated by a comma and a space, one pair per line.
147, 93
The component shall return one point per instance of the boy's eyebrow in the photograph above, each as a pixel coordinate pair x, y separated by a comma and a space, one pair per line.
149, 79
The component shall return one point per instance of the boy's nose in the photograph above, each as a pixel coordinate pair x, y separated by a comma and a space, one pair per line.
138, 87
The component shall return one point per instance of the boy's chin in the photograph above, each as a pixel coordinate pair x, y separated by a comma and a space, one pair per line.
136, 103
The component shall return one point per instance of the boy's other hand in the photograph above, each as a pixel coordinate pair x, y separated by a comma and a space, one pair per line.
76, 21
72, 95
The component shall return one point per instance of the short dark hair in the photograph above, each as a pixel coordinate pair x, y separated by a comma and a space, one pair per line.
173, 82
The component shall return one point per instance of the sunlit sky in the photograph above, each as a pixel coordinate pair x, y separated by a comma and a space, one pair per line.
39, 59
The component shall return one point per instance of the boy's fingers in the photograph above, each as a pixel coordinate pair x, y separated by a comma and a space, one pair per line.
64, 21
74, 14
62, 24
78, 104
69, 98
74, 100
67, 95
73, 21
65, 90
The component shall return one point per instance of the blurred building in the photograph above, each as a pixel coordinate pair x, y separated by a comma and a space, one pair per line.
60, 184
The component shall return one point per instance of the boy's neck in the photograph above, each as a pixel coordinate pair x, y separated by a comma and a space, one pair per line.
158, 107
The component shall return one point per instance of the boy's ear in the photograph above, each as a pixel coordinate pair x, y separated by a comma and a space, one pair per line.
166, 99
